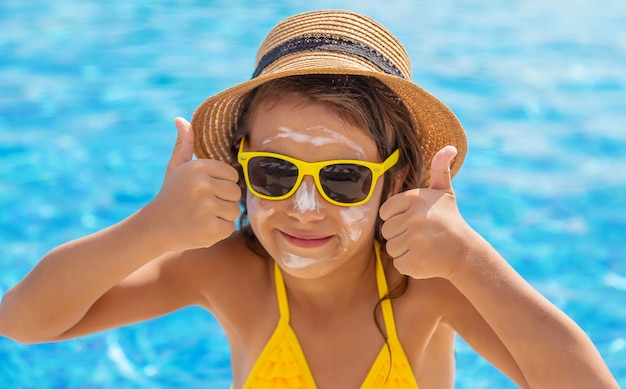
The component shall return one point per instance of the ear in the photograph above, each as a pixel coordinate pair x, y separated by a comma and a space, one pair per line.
397, 179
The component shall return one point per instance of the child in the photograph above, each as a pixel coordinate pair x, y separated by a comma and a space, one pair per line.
352, 266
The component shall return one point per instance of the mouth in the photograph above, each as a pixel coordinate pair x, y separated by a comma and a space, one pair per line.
305, 240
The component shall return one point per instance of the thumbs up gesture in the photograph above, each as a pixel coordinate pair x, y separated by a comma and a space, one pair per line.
198, 201
424, 230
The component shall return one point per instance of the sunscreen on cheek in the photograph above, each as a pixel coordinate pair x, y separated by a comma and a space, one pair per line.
258, 214
354, 220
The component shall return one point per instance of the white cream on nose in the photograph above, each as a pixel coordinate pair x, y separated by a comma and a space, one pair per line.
305, 198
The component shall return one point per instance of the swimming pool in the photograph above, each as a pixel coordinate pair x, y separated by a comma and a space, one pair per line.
88, 91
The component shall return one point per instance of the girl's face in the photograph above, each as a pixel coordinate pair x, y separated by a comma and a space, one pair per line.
305, 234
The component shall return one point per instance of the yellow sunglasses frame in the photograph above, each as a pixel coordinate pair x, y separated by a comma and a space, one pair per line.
313, 169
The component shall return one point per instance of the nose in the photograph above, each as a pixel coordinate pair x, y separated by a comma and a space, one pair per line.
307, 200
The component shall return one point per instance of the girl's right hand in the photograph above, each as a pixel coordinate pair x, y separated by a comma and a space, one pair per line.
198, 202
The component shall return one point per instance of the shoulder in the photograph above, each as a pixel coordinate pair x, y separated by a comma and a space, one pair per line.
419, 305
230, 277
427, 304
221, 265
434, 305
433, 295
420, 314
230, 254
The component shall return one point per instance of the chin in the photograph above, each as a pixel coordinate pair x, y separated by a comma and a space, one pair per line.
303, 270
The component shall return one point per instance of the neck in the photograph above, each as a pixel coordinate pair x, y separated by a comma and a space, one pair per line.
339, 289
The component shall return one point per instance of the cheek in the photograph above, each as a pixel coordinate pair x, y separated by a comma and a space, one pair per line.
360, 220
357, 220
259, 213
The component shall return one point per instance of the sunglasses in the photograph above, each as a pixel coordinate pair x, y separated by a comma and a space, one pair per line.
344, 182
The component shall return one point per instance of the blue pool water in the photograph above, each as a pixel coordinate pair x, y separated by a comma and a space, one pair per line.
88, 92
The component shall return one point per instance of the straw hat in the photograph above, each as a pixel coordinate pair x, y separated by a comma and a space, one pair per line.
330, 42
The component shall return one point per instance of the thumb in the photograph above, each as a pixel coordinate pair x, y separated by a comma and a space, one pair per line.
440, 177
183, 149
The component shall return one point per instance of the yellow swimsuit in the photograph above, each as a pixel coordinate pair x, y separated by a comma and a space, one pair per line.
282, 364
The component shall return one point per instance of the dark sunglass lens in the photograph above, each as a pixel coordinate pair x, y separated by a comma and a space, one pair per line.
346, 183
272, 176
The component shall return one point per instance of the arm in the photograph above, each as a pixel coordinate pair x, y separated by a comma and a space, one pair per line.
550, 349
60, 290
428, 238
195, 207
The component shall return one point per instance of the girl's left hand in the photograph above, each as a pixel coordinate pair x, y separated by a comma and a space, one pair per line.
426, 235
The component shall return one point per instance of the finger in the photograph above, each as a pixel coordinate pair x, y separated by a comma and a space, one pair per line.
394, 205
227, 190
396, 248
440, 177
394, 227
227, 210
183, 149
403, 264
214, 169
398, 245
223, 229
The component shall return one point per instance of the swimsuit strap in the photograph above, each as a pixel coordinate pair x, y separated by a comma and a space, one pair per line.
281, 294
383, 289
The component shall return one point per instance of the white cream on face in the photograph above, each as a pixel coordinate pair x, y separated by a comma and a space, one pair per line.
317, 136
294, 261
309, 134
259, 211
354, 221
305, 198
259, 214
